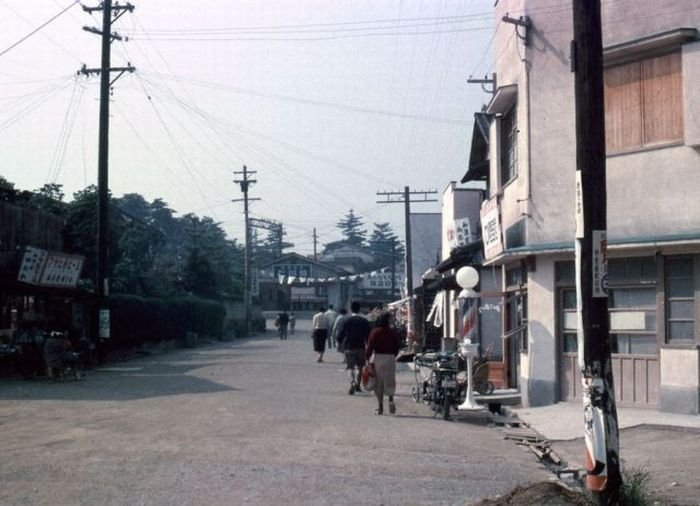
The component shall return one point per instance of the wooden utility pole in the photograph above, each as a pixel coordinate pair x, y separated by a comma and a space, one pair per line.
247, 297
602, 457
315, 244
405, 198
110, 14
393, 267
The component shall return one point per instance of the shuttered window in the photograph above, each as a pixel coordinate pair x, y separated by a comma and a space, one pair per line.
643, 104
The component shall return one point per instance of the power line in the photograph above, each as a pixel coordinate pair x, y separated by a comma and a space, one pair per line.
38, 28
307, 39
308, 101
450, 19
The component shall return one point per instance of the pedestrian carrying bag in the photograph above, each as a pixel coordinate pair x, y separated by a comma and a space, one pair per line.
369, 378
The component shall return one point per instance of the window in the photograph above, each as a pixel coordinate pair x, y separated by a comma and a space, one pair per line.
516, 308
643, 103
680, 300
631, 302
509, 146
569, 321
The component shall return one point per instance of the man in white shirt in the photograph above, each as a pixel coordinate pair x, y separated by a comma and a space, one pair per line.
320, 333
331, 315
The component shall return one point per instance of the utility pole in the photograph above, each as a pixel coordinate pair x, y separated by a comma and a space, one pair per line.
273, 226
601, 433
393, 266
109, 15
245, 184
405, 198
315, 244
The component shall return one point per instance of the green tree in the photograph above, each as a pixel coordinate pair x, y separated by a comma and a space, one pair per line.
351, 228
49, 198
380, 242
81, 230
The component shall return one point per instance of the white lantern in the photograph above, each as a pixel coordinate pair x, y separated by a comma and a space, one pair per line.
467, 277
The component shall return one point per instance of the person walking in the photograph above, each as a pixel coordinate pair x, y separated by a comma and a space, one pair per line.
283, 321
342, 316
383, 343
320, 333
331, 315
352, 336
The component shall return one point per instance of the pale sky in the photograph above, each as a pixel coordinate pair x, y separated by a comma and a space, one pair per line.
329, 101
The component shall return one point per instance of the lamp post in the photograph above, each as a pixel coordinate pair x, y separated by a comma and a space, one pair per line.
468, 277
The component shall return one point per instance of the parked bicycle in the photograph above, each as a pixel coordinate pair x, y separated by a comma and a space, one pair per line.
442, 379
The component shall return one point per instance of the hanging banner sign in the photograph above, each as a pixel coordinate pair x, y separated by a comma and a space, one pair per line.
600, 264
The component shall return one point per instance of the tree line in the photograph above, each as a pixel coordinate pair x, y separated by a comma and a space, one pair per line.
154, 253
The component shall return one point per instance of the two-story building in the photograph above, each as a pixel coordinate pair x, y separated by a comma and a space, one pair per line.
652, 103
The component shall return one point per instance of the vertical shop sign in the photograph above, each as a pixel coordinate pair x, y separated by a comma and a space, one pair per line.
491, 228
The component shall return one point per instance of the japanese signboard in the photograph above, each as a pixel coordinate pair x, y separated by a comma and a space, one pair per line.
459, 233
61, 270
491, 228
32, 264
600, 264
47, 268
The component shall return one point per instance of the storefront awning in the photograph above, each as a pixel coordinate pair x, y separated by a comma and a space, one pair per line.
464, 255
478, 169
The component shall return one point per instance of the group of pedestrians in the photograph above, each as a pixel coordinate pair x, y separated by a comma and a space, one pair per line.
361, 342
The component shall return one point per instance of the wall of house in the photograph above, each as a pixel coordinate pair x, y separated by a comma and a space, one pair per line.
456, 203
545, 202
680, 381
691, 93
538, 367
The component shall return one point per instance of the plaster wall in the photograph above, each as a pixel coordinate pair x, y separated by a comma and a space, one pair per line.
456, 203
542, 194
625, 20
539, 365
680, 380
691, 94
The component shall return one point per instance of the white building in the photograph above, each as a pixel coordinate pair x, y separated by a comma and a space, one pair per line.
652, 99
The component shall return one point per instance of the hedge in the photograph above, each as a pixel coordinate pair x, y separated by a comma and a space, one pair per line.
136, 320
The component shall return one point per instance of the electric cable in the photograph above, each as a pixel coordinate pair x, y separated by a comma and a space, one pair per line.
38, 28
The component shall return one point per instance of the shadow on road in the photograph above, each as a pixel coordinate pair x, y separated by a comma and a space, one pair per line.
125, 381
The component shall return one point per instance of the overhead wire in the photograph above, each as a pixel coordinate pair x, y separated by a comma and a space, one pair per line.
308, 101
37, 102
312, 25
318, 38
66, 131
38, 29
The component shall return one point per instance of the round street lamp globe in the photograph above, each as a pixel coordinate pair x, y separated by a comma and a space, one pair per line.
467, 277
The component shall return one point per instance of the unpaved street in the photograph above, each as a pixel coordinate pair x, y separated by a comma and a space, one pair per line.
255, 421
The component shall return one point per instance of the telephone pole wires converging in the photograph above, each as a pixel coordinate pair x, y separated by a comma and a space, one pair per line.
600, 414
245, 184
110, 13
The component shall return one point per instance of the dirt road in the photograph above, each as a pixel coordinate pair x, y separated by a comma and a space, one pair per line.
256, 421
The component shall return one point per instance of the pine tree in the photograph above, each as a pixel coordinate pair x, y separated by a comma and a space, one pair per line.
351, 228
380, 242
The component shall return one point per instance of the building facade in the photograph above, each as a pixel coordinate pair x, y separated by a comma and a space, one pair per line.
652, 103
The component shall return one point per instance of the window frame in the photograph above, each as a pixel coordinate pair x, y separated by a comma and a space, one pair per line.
643, 108
508, 139
668, 341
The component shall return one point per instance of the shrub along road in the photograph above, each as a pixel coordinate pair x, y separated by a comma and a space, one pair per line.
256, 421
